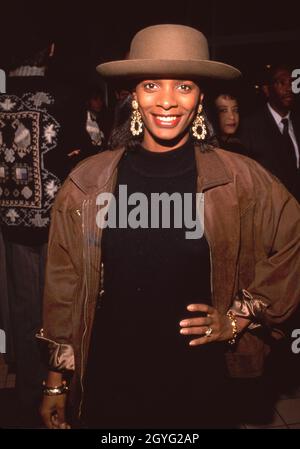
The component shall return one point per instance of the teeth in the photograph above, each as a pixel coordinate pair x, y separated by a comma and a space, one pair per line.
166, 119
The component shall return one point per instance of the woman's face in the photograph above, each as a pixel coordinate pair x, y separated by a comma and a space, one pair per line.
228, 114
167, 108
95, 104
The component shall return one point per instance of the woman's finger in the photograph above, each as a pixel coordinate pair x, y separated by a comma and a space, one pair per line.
201, 341
61, 417
46, 417
201, 308
199, 321
64, 425
47, 421
54, 421
194, 330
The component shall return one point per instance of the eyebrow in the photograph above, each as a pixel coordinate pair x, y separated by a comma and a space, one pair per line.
165, 79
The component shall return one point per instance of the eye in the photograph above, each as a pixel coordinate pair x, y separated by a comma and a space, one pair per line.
150, 86
184, 87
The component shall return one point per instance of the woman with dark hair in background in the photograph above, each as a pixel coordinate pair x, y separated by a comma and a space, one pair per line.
225, 111
142, 311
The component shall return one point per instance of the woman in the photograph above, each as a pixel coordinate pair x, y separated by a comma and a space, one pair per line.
228, 113
227, 120
143, 310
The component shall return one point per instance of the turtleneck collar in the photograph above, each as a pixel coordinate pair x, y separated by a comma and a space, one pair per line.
162, 164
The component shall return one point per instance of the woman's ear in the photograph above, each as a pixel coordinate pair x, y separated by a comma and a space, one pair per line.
201, 98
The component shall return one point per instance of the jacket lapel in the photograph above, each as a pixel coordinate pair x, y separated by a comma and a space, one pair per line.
221, 225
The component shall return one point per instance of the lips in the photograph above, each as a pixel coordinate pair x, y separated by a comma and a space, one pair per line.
166, 121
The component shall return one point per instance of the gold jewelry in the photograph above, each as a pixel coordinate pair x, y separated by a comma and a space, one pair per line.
208, 332
55, 391
199, 123
233, 322
136, 124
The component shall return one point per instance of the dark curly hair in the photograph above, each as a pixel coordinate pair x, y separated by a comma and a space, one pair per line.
121, 135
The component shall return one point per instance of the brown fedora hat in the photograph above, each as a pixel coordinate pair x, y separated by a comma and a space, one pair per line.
168, 51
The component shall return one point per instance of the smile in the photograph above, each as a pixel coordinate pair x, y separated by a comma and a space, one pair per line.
167, 121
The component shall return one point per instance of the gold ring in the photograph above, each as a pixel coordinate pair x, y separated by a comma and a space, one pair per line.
208, 332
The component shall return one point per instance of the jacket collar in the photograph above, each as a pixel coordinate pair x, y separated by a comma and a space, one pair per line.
93, 174
211, 169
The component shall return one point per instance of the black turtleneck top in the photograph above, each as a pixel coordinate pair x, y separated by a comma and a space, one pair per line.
150, 276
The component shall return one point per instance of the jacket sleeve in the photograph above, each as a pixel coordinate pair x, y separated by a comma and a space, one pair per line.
61, 283
274, 293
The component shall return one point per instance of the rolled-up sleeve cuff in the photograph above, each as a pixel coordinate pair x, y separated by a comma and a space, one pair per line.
61, 355
248, 307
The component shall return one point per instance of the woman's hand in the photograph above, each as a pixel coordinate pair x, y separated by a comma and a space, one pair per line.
53, 411
213, 327
53, 408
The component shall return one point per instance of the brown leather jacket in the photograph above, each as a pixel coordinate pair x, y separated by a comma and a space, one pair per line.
252, 225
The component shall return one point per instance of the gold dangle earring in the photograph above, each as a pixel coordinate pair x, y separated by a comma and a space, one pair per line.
136, 124
199, 128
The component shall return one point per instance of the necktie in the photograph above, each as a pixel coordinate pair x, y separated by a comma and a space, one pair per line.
288, 143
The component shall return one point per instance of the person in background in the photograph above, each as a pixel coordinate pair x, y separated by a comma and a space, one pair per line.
226, 120
95, 124
97, 119
271, 135
34, 147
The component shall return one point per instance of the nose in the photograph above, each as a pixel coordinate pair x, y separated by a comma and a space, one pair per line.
167, 100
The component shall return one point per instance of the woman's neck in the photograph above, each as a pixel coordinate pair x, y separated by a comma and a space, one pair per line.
160, 146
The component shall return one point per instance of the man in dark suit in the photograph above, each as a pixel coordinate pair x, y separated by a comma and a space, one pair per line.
272, 135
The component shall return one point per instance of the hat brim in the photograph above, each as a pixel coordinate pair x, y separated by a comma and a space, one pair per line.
181, 69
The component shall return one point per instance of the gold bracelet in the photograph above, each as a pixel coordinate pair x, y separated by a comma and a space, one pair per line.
233, 322
55, 391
